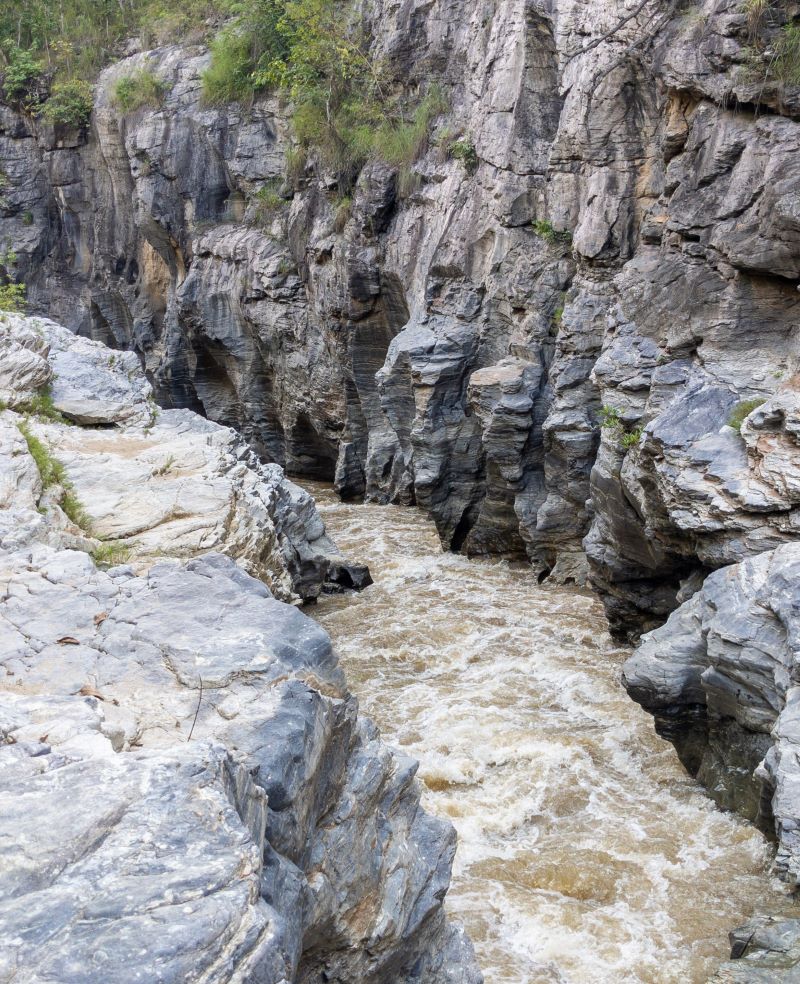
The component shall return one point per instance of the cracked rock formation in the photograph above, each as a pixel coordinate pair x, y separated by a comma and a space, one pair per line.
152, 483
516, 346
583, 349
189, 791
721, 680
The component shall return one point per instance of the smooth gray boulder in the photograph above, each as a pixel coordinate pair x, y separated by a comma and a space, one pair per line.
225, 814
130, 867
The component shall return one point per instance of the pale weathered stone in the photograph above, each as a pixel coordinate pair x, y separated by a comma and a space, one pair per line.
158, 483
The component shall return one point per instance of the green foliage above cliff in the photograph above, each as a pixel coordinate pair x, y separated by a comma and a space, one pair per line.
346, 108
317, 52
246, 49
23, 69
45, 44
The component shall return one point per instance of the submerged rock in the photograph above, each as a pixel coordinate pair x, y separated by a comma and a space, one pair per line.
765, 949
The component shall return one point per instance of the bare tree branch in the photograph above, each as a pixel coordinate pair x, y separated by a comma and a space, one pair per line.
197, 711
596, 42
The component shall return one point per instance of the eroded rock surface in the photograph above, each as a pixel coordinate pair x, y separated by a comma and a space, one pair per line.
721, 679
105, 679
152, 483
627, 239
584, 348
189, 792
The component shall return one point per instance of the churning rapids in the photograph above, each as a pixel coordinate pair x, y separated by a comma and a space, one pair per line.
585, 854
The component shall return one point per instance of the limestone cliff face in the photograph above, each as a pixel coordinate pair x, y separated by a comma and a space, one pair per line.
544, 352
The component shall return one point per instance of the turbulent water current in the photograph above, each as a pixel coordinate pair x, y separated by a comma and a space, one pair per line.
586, 854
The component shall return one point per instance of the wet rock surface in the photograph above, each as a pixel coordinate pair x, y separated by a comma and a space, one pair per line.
720, 678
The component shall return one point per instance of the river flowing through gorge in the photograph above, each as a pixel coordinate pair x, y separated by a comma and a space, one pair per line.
586, 854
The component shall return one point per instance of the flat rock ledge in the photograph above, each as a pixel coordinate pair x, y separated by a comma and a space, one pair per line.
722, 680
149, 482
188, 791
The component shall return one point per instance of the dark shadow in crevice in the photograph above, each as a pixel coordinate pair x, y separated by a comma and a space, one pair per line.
308, 453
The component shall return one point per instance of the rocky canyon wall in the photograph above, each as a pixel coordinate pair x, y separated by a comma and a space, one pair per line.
188, 790
575, 341
542, 348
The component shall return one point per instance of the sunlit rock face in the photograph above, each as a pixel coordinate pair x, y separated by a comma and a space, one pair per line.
583, 349
155, 483
189, 791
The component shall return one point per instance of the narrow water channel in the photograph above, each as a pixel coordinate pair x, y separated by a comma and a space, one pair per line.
586, 854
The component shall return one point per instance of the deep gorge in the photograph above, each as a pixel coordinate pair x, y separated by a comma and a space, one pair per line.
565, 329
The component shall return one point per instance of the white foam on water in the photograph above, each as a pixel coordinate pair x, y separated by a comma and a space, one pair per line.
586, 855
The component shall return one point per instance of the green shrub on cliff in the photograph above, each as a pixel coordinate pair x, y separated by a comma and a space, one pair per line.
630, 439
756, 11
547, 231
742, 410
12, 297
41, 406
142, 88
773, 52
345, 109
402, 141
12, 294
786, 65
111, 554
464, 151
53, 473
267, 201
70, 103
609, 417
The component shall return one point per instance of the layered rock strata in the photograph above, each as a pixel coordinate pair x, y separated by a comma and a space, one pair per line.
150, 483
721, 679
583, 348
627, 239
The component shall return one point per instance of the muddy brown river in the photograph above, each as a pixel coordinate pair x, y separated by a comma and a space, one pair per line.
586, 854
